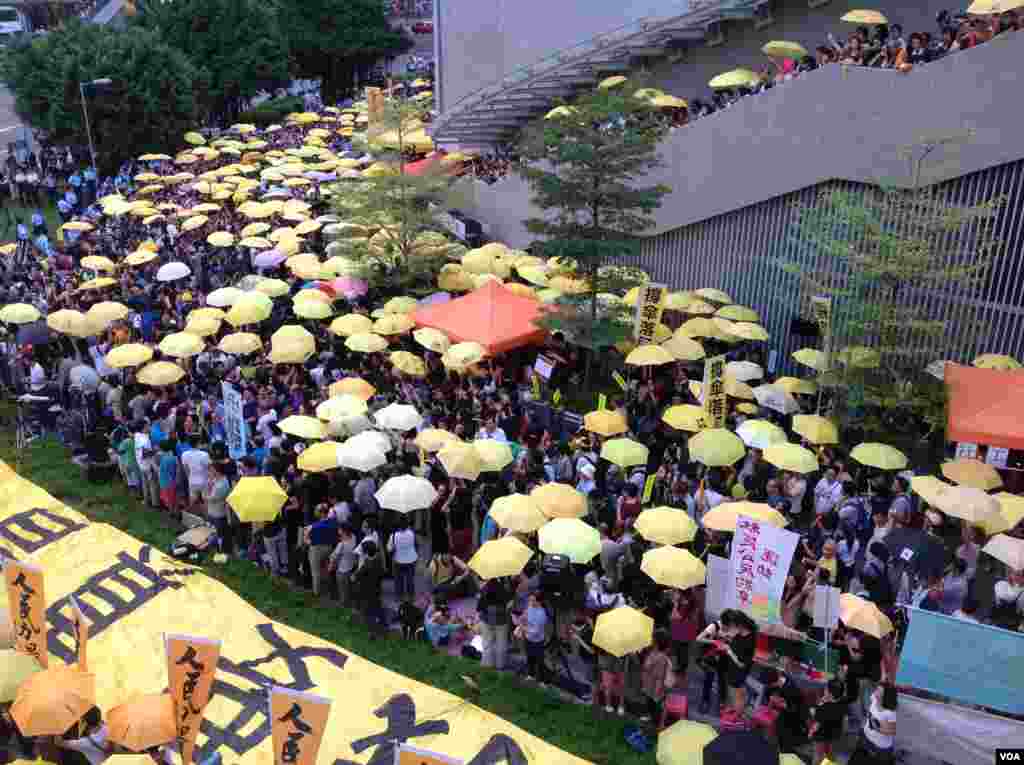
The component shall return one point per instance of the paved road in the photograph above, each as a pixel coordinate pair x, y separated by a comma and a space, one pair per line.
11, 127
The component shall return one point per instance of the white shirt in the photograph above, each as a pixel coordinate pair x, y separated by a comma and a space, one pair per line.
197, 467
826, 495
876, 715
492, 435
37, 377
403, 546
143, 443
1008, 593
263, 425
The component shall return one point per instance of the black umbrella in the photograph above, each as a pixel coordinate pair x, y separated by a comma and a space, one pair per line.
920, 551
746, 747
36, 333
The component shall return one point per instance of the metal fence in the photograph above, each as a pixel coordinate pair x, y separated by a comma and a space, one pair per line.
742, 253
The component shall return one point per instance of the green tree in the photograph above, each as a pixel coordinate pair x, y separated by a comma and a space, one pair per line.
238, 42
330, 39
153, 99
393, 216
903, 268
584, 166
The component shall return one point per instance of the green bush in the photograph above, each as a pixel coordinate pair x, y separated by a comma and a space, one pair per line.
272, 111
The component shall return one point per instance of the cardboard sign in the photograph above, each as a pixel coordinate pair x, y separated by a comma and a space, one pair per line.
619, 380
191, 665
602, 401
544, 366
648, 489
81, 626
26, 599
649, 307
826, 606
298, 721
406, 754
234, 420
761, 554
715, 402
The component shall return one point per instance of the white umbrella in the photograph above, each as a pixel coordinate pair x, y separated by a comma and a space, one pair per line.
744, 371
760, 434
775, 398
398, 417
358, 457
373, 440
171, 271
406, 493
349, 426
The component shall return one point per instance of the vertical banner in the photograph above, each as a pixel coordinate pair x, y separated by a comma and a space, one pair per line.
761, 554
536, 387
298, 721
619, 380
715, 402
191, 665
821, 307
406, 754
648, 312
234, 421
556, 399
602, 401
26, 600
82, 626
648, 489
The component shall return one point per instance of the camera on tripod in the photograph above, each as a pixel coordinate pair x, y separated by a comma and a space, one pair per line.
559, 583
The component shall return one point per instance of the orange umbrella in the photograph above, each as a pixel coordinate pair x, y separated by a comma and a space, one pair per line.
51, 701
142, 722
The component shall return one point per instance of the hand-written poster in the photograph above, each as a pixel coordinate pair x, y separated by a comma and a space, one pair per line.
234, 420
761, 555
26, 598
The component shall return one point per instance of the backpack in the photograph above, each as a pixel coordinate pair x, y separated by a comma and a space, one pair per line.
880, 586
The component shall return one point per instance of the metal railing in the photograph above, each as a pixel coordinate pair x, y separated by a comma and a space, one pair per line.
695, 11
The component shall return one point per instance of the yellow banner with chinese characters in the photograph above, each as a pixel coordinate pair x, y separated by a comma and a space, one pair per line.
715, 401
26, 599
133, 594
649, 306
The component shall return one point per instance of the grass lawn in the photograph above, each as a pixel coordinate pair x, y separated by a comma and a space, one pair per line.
572, 727
12, 215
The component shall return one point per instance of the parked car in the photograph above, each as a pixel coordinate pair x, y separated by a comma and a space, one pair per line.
423, 27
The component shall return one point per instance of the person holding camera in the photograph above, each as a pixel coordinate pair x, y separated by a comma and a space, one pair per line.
732, 641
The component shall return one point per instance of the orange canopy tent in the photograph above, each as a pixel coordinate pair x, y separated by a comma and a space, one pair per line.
494, 317
986, 406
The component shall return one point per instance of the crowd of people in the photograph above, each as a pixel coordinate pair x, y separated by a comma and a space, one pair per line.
169, 442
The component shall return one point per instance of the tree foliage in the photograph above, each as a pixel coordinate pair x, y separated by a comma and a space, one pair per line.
584, 166
239, 43
154, 98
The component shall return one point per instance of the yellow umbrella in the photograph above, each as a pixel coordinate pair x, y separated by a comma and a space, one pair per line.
129, 355
140, 258
683, 743
623, 630
203, 327
611, 82
181, 345
996, 361
969, 504
461, 461
494, 455
291, 344
205, 313
760, 434
393, 324
77, 225
466, 354
435, 439
257, 499
52, 700
673, 566
255, 229
224, 297
194, 138
928, 487
669, 102
500, 557
74, 323
15, 669
815, 428
863, 615
366, 342
571, 537
684, 348
240, 343
784, 49
649, 355
352, 324
19, 313
143, 722
249, 308
666, 526
196, 221
221, 239
352, 386
107, 311
432, 339
312, 309
970, 472
98, 283
747, 408
881, 456
698, 327
712, 294
559, 500
685, 417
1011, 512
98, 263
517, 513
1009, 550
860, 357
320, 457
716, 447
624, 452
748, 331
401, 305
255, 242
811, 357
723, 517
160, 373
791, 457
872, 18
794, 385
339, 407
737, 313
605, 423
273, 287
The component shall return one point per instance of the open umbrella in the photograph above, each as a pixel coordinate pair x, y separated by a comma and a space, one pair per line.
881, 456
649, 355
73, 323
291, 344
624, 452
776, 399
143, 722
257, 499
240, 343
871, 18
203, 327
724, 516
406, 493
748, 331
760, 434
572, 537
559, 500
863, 615
19, 313
673, 567
784, 49
1009, 550
794, 385
623, 630
159, 373
352, 386
352, 324
432, 339
312, 309
684, 348
683, 742
172, 271
461, 461
302, 426
494, 455
128, 355
15, 669
748, 747
500, 557
1011, 512
249, 308
666, 526
518, 513
716, 447
811, 357
373, 440
744, 371
181, 345
408, 363
466, 354
970, 472
319, 457
928, 488
605, 423
108, 311
816, 429
734, 78
398, 417
224, 297
359, 457
791, 457
366, 342
52, 700
340, 407
393, 324
435, 439
685, 417
967, 503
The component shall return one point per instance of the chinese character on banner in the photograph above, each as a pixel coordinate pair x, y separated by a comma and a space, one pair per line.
761, 556
715, 402
191, 665
298, 721
649, 306
26, 599
407, 754
81, 626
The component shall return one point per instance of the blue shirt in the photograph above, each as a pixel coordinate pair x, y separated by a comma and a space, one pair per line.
156, 435
536, 622
168, 469
38, 219
64, 206
90, 174
438, 633
71, 197
75, 180
324, 532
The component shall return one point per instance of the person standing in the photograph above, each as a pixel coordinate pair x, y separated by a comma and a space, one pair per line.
493, 607
827, 492
196, 464
215, 495
532, 628
168, 475
144, 458
402, 546
878, 734
343, 562
321, 538
654, 675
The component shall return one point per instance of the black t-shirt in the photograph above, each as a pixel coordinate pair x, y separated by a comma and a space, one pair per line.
743, 646
459, 509
829, 716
